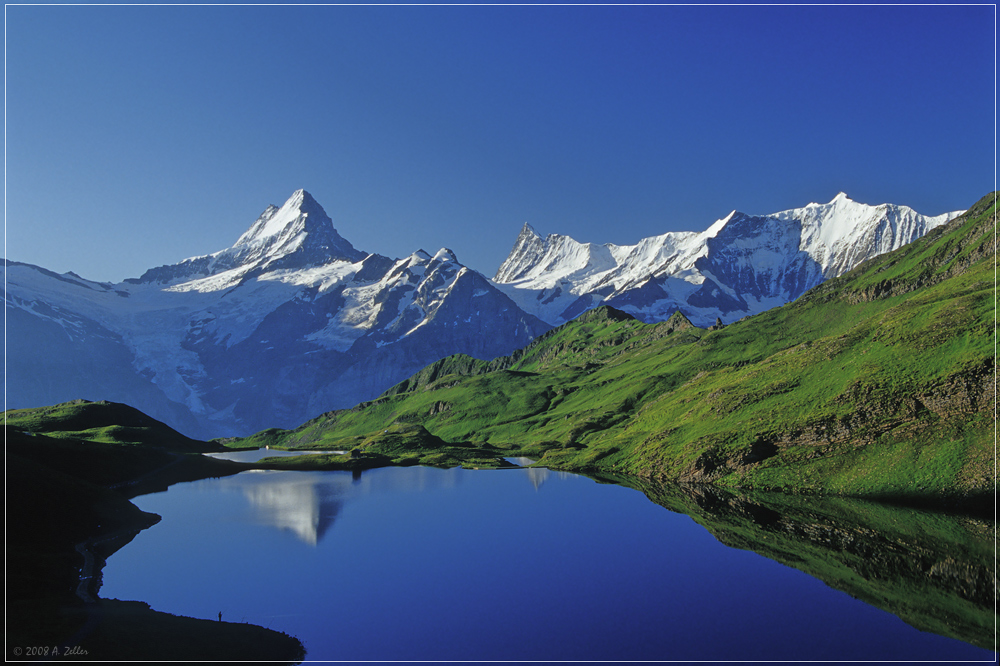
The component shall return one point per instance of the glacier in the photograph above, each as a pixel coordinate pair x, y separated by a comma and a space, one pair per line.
292, 320
289, 322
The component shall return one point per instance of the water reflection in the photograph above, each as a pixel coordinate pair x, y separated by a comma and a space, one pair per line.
536, 475
306, 507
307, 503
539, 475
521, 461
595, 570
934, 571
254, 455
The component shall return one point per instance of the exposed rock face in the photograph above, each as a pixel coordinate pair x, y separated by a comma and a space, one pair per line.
741, 265
874, 413
290, 322
439, 407
528, 250
962, 394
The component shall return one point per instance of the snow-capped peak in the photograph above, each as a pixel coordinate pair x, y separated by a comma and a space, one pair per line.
287, 220
299, 234
717, 226
300, 224
756, 262
445, 255
842, 233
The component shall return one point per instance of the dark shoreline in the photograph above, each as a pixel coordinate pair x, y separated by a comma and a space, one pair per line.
61, 529
52, 606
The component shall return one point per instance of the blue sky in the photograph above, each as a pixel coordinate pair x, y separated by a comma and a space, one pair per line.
138, 136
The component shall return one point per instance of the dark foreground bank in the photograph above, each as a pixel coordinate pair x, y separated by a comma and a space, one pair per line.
67, 512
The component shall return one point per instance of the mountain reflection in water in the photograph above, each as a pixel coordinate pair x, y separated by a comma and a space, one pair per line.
370, 567
306, 507
539, 475
308, 503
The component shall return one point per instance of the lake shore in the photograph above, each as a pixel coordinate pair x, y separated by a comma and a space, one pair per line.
61, 530
62, 520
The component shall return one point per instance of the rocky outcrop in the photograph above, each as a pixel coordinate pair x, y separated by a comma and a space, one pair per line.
963, 393
718, 462
439, 407
876, 411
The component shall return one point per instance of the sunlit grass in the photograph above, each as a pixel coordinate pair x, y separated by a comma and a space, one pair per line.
764, 402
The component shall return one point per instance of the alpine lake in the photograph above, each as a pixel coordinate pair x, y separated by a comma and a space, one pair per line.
419, 563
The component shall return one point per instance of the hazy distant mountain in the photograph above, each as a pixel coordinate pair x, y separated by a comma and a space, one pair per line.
740, 265
289, 322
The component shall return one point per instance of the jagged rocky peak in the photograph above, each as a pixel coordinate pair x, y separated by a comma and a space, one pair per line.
300, 224
527, 233
298, 234
678, 322
277, 220
528, 249
421, 264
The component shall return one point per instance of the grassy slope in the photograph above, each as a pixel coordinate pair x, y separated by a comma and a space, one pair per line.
70, 469
879, 383
105, 422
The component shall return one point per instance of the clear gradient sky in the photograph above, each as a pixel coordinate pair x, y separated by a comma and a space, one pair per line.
141, 135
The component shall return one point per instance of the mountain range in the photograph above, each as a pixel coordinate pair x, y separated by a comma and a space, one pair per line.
292, 320
740, 266
879, 383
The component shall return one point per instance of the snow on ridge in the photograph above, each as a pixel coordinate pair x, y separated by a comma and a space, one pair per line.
213, 282
717, 226
324, 277
589, 265
830, 230
550, 277
299, 234
446, 255
274, 221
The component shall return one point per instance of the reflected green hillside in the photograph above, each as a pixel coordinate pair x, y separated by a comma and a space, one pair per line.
934, 571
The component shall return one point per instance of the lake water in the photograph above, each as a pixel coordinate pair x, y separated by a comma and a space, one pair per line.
255, 455
522, 564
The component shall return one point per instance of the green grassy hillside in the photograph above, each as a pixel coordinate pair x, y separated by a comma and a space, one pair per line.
106, 422
879, 383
